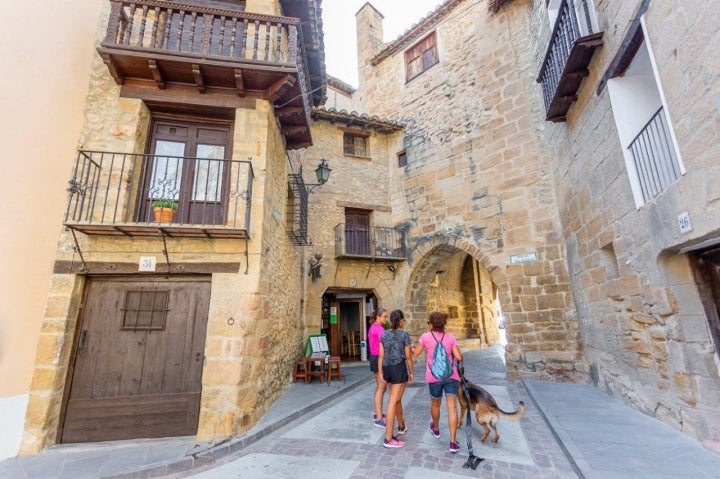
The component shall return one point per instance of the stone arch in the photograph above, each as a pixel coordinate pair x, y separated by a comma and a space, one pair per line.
432, 257
543, 340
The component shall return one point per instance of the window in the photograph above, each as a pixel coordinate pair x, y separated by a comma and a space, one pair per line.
649, 146
402, 159
355, 143
145, 310
584, 15
357, 232
421, 57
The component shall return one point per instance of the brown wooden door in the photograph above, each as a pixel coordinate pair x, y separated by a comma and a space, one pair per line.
139, 359
357, 232
187, 165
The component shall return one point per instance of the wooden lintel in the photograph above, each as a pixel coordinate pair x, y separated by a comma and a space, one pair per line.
70, 267
277, 89
107, 59
199, 80
156, 73
290, 111
239, 82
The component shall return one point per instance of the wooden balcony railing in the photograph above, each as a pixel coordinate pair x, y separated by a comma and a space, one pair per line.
113, 194
374, 243
567, 58
213, 50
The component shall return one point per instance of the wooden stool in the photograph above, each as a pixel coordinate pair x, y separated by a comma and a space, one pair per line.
334, 370
313, 370
300, 370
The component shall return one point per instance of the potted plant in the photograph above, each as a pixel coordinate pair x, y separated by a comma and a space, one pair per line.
164, 210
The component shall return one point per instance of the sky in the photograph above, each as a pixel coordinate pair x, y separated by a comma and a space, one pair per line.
340, 36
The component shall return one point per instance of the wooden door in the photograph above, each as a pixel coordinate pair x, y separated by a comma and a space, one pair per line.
357, 232
139, 358
187, 165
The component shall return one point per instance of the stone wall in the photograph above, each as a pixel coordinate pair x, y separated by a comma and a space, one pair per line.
643, 327
479, 172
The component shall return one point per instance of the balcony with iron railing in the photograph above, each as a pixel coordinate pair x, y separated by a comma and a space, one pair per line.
654, 156
371, 243
566, 61
116, 194
171, 45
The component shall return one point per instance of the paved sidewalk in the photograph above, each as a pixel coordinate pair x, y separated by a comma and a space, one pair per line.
597, 437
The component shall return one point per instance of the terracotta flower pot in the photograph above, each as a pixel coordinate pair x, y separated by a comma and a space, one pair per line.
163, 214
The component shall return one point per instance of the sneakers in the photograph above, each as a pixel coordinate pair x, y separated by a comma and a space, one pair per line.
454, 446
402, 430
379, 422
393, 443
435, 431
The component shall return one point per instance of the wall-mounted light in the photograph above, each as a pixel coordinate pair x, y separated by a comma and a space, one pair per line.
322, 172
315, 263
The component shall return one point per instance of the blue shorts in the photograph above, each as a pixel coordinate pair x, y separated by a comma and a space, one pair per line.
448, 386
374, 363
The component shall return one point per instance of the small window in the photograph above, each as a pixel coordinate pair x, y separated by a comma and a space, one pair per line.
402, 159
421, 56
355, 144
145, 310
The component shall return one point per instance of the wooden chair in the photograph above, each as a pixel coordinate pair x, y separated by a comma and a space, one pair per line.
334, 370
300, 370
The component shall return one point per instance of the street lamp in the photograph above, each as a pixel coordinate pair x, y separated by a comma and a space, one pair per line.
322, 172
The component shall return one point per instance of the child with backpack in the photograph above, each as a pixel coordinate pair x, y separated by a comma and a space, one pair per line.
441, 374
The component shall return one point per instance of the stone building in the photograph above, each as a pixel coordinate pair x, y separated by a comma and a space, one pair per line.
486, 164
569, 149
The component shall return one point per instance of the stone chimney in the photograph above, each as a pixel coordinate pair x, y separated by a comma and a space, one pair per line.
369, 37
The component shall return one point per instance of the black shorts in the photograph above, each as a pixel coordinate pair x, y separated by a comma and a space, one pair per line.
374, 363
396, 373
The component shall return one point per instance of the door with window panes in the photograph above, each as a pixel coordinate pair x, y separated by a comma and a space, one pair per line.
187, 165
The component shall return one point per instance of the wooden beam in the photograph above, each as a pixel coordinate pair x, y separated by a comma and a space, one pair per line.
199, 80
239, 82
290, 111
157, 74
278, 89
98, 267
107, 59
294, 130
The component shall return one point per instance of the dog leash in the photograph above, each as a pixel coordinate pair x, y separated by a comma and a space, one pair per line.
473, 461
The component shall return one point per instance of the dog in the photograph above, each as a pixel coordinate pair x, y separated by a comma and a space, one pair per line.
487, 411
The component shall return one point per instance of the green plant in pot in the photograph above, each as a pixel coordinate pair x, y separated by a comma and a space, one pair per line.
164, 210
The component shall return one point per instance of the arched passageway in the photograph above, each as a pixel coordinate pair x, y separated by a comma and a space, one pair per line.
448, 278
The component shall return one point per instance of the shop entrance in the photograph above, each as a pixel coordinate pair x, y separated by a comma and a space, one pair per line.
348, 314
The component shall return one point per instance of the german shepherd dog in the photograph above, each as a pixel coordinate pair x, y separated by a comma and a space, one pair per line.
487, 411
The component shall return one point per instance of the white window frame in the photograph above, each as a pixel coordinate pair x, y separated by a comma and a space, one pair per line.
635, 97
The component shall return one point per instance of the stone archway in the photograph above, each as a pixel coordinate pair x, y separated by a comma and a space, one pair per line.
453, 276
543, 340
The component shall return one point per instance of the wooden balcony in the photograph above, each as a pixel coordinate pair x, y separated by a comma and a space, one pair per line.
114, 194
566, 61
187, 48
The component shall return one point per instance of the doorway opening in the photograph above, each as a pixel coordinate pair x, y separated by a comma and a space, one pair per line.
346, 319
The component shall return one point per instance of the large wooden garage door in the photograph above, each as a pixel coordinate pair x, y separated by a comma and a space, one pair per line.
139, 360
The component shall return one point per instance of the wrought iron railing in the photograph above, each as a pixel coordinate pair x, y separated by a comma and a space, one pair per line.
569, 32
372, 242
120, 190
297, 211
653, 153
